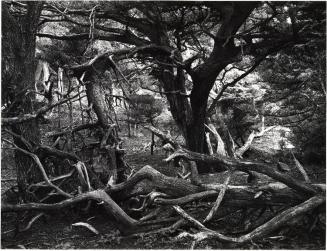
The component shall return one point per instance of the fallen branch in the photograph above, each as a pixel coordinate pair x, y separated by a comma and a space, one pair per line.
301, 169
268, 227
30, 223
170, 185
86, 225
226, 163
41, 168
124, 222
163, 136
219, 198
209, 144
192, 165
240, 151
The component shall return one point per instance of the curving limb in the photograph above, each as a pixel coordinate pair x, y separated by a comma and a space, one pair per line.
41, 168
263, 230
225, 163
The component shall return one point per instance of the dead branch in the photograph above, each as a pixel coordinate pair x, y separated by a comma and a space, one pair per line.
41, 168
220, 143
259, 232
72, 129
219, 198
43, 183
182, 191
301, 169
245, 166
34, 219
193, 168
124, 222
240, 151
209, 144
37, 114
170, 185
163, 136
181, 212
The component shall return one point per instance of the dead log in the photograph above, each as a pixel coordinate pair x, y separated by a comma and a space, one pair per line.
245, 166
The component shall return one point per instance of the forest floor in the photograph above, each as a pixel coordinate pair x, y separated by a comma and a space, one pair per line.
55, 231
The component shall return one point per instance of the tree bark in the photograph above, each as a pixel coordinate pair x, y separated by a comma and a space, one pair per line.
18, 60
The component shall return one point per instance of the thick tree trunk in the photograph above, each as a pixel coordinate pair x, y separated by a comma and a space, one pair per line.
96, 97
190, 117
18, 60
190, 114
104, 160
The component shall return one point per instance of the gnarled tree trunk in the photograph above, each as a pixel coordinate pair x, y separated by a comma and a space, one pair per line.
18, 60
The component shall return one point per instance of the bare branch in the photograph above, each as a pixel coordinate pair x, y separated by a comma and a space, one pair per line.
38, 113
41, 168
222, 162
301, 169
220, 197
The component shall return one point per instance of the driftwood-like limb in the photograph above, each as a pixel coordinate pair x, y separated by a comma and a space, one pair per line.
169, 229
43, 183
226, 163
209, 144
83, 175
240, 151
219, 198
86, 225
261, 231
163, 136
186, 199
41, 168
170, 185
124, 222
301, 169
30, 223
220, 143
182, 191
195, 222
193, 167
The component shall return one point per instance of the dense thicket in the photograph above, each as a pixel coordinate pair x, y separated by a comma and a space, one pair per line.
229, 74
